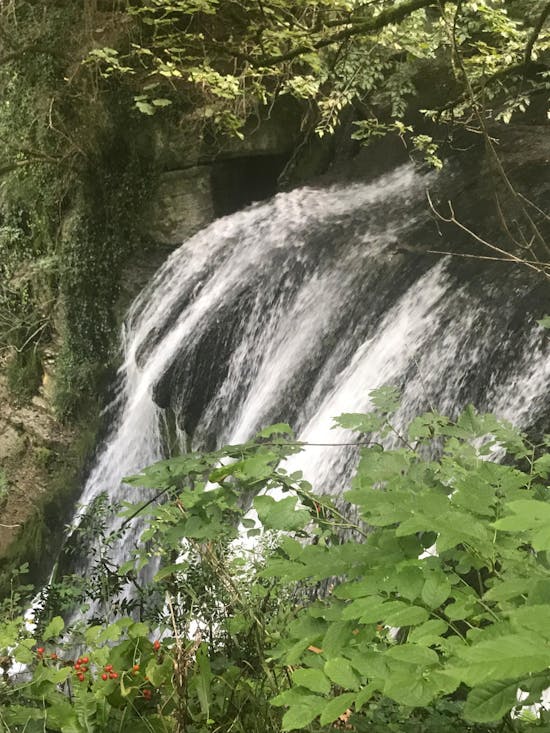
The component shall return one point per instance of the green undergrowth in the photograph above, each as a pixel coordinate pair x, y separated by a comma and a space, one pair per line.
101, 232
418, 605
71, 194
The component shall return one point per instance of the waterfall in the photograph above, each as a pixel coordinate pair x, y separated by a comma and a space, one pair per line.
295, 309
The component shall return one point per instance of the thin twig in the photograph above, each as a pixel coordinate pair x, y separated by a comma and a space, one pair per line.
538, 267
484, 130
484, 257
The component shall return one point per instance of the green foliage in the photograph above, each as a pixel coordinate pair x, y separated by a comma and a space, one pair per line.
30, 198
227, 60
72, 187
432, 618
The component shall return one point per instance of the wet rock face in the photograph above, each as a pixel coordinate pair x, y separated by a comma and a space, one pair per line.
200, 182
31, 440
182, 205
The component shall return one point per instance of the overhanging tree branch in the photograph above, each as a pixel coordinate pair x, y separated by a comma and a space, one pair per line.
387, 17
533, 38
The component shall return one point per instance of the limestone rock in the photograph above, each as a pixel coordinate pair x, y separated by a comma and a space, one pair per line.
181, 205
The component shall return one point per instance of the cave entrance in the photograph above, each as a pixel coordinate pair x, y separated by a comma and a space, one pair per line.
238, 182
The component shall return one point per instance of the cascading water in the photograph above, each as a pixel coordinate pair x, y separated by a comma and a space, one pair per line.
295, 309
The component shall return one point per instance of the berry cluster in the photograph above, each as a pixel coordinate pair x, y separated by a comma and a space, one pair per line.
109, 673
81, 667
40, 653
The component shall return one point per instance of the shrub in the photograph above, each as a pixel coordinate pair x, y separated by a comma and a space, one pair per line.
427, 613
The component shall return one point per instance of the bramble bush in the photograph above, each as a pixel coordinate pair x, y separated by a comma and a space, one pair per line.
427, 613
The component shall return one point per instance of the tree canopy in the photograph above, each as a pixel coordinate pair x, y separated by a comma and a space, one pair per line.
225, 59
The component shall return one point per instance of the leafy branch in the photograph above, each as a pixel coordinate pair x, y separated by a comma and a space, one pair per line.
383, 19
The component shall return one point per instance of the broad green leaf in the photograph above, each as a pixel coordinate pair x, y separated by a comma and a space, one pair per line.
145, 107
312, 679
507, 657
371, 664
54, 628
23, 655
436, 590
409, 689
460, 609
113, 632
428, 633
340, 671
527, 514
370, 610
296, 696
542, 465
544, 322
366, 693
159, 673
336, 707
534, 618
504, 590
92, 635
491, 701
539, 591
406, 616
57, 676
475, 497
280, 514
338, 634
138, 630
410, 582
298, 716
419, 656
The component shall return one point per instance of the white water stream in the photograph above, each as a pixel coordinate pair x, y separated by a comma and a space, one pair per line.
296, 309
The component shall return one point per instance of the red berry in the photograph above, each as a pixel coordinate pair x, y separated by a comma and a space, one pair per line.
156, 644
108, 667
84, 660
77, 665
81, 677
136, 667
53, 656
104, 676
147, 694
40, 650
113, 675
84, 669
